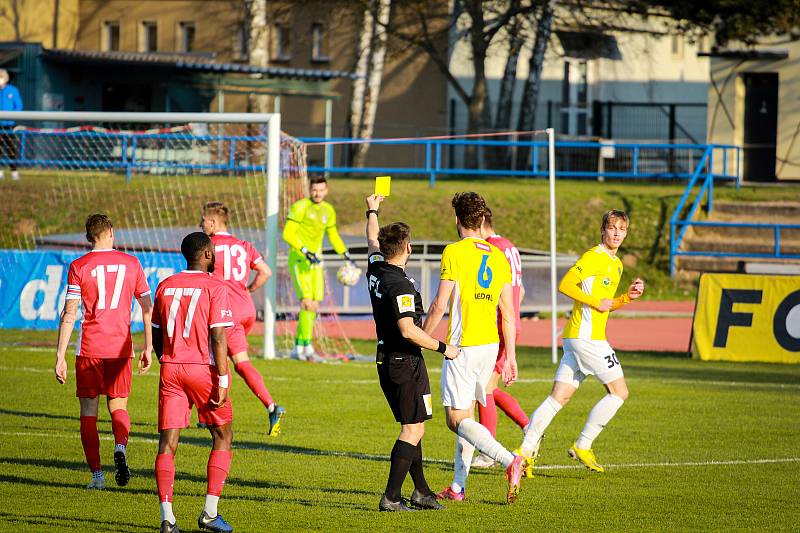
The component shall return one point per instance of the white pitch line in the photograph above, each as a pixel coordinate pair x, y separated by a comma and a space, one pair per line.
356, 455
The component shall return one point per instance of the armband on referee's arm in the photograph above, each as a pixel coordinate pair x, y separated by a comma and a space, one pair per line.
441, 348
369, 211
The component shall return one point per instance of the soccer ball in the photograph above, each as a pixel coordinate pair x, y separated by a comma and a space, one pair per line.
348, 274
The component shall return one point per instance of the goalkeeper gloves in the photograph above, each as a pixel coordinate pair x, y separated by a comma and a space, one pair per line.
311, 256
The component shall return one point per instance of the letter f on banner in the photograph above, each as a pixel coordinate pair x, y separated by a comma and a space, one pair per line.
727, 317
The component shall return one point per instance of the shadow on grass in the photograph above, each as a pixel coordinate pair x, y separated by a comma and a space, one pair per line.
76, 524
50, 416
711, 374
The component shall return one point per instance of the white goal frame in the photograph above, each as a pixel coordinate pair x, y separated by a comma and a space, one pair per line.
273, 124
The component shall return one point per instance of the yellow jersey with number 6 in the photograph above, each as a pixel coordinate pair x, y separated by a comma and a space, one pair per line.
479, 271
600, 273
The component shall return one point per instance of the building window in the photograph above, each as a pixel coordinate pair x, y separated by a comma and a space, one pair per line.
187, 34
282, 44
575, 98
319, 43
703, 43
240, 43
110, 36
149, 37
676, 46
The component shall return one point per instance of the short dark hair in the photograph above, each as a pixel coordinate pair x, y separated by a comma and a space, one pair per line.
194, 244
317, 179
487, 217
217, 209
392, 238
96, 225
614, 214
470, 208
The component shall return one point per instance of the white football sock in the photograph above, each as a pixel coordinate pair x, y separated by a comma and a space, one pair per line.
166, 512
120, 448
461, 463
98, 474
482, 439
540, 419
211, 505
600, 415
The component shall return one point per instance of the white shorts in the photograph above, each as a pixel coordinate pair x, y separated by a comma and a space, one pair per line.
583, 358
464, 378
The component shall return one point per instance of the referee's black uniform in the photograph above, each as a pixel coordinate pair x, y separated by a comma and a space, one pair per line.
401, 367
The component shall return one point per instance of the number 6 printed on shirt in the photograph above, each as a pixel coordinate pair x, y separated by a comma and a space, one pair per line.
177, 293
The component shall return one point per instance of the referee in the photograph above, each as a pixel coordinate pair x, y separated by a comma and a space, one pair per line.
397, 310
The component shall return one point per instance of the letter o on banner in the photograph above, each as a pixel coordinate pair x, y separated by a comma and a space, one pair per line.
786, 322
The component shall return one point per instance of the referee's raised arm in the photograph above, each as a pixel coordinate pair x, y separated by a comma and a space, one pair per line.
373, 203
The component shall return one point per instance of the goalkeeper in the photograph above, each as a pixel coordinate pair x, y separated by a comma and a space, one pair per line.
308, 221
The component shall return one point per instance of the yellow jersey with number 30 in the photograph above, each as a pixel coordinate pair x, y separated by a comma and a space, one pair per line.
599, 272
479, 271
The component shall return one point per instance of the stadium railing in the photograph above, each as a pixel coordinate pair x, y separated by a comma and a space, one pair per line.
684, 217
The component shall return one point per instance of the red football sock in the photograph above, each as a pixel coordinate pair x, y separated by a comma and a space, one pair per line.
121, 426
165, 476
219, 463
91, 442
511, 407
254, 380
488, 415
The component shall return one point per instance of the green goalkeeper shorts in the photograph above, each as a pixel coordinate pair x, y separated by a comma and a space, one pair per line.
309, 280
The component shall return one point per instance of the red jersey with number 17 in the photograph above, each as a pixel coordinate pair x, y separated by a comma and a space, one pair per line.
188, 304
105, 281
514, 260
234, 260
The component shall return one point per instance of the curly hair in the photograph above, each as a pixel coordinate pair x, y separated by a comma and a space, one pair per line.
470, 209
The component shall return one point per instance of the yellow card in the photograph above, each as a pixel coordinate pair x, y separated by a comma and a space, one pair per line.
383, 185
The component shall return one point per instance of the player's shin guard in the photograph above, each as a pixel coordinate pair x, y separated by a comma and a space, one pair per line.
91, 442
219, 464
540, 419
253, 378
509, 405
417, 473
461, 463
488, 414
480, 437
305, 326
165, 476
121, 426
402, 456
600, 415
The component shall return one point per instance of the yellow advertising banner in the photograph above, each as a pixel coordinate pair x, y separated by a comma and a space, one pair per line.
742, 317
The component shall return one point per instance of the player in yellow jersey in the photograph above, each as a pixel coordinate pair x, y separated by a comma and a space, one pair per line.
591, 282
308, 221
475, 279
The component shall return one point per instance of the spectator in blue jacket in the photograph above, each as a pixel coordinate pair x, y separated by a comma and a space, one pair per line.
10, 100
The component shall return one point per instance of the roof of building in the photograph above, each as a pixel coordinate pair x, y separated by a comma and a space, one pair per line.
190, 62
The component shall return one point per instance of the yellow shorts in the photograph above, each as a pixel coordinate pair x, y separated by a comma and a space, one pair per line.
309, 281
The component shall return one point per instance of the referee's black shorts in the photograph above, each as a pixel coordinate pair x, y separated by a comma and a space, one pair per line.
404, 381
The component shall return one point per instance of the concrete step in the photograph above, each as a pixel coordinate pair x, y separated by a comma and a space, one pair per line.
738, 232
691, 266
790, 209
700, 243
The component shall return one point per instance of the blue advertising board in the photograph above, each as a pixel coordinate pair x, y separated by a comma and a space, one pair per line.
33, 284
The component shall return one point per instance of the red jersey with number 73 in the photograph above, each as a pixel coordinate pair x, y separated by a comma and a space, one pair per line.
234, 260
187, 304
514, 260
105, 281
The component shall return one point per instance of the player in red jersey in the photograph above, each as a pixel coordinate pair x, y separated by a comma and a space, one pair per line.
105, 282
191, 309
495, 396
235, 259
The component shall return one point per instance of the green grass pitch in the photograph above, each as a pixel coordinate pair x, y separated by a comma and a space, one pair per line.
698, 446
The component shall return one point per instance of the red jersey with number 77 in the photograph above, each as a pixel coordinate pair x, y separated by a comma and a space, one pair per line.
234, 260
514, 260
187, 304
105, 281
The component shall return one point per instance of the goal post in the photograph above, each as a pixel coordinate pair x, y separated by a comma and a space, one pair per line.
216, 145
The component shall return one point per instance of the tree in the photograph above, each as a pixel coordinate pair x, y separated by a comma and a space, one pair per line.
369, 66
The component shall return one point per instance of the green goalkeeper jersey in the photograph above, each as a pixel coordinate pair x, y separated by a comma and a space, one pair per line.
307, 224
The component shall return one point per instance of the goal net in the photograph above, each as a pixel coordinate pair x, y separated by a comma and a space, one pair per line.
151, 173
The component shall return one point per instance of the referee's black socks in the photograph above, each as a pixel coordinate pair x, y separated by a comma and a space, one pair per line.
416, 472
403, 454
